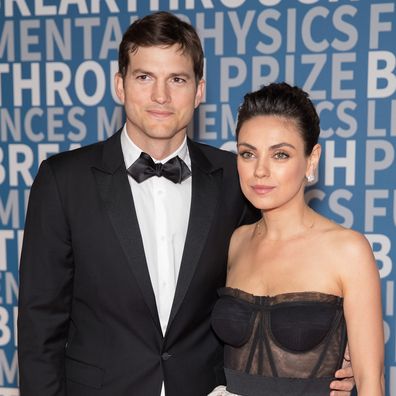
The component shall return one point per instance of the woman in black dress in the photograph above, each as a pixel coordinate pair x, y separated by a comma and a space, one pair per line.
299, 286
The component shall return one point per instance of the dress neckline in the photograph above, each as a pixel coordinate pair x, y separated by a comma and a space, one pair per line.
296, 296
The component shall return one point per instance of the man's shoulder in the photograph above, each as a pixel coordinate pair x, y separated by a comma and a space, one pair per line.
216, 155
213, 150
73, 154
89, 153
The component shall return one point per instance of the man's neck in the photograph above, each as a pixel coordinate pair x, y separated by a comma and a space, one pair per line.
159, 149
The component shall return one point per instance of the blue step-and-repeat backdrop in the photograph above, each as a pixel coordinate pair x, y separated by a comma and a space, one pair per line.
58, 58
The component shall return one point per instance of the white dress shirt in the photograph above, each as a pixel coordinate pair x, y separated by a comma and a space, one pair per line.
163, 210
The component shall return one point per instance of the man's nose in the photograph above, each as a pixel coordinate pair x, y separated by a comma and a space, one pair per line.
160, 93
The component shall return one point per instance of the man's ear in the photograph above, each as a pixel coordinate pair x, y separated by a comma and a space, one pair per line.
200, 92
119, 87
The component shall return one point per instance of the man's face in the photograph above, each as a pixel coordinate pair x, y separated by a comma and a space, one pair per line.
159, 93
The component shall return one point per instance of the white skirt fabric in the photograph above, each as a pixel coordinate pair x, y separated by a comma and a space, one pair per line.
221, 391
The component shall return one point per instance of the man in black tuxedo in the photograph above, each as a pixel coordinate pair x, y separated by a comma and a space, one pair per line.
126, 240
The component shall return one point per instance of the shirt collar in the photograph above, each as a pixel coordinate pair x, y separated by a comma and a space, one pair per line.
131, 151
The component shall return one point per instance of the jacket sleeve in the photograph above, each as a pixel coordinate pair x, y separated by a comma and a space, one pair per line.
45, 294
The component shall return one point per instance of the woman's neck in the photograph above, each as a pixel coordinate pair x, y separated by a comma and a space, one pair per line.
282, 225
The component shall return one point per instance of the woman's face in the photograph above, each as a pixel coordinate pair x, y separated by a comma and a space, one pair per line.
272, 164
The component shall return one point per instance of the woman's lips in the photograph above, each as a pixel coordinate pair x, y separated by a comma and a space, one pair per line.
262, 189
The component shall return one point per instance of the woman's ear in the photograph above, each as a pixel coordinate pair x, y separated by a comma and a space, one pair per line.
313, 162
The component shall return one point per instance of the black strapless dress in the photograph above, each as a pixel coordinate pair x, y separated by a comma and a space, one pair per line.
288, 344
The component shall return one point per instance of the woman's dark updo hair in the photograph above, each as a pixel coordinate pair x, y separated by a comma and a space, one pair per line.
283, 100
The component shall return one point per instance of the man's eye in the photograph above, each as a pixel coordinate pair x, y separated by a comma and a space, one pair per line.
143, 77
281, 155
179, 80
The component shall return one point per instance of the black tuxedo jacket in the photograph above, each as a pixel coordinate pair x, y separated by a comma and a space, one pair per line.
88, 323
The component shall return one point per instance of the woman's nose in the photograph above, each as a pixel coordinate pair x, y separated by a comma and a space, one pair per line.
261, 169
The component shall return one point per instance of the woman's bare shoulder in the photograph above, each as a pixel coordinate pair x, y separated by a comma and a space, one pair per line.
239, 239
242, 232
347, 240
347, 247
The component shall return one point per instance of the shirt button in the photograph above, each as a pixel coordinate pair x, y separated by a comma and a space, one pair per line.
166, 356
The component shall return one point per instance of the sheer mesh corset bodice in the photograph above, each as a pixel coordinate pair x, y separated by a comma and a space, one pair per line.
288, 344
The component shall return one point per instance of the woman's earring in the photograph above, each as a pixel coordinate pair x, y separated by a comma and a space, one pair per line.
310, 178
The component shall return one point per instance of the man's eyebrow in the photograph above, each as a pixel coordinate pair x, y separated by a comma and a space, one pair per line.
141, 71
174, 74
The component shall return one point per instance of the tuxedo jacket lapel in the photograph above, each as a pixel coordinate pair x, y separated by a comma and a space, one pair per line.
206, 184
114, 188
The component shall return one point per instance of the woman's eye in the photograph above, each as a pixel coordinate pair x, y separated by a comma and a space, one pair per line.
246, 154
281, 155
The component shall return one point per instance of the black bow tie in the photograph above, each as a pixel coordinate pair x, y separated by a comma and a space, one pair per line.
144, 167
